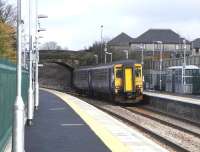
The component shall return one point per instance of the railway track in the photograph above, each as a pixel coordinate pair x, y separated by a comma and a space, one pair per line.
180, 124
177, 135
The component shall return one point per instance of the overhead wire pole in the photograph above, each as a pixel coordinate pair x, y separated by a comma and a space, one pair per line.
18, 110
30, 90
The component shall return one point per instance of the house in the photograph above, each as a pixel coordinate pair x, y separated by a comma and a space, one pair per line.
172, 43
120, 42
196, 46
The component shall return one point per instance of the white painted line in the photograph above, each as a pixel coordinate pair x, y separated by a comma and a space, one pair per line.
63, 125
56, 109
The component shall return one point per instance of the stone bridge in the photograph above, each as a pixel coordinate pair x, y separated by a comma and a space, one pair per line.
57, 69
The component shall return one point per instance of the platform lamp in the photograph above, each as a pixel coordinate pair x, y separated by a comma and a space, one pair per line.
18, 107
30, 109
38, 29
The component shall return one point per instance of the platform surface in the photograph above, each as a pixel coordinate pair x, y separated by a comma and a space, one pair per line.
191, 99
57, 128
65, 123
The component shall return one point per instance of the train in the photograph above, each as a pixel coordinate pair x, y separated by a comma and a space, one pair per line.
120, 81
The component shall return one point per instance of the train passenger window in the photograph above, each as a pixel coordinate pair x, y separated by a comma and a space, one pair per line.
119, 73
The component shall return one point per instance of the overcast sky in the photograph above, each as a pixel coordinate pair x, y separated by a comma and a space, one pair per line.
76, 23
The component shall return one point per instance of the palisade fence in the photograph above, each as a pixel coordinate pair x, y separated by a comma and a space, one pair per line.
152, 70
8, 96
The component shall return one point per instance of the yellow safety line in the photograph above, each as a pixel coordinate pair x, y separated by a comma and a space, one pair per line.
107, 138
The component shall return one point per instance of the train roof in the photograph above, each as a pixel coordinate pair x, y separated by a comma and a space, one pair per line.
186, 67
100, 66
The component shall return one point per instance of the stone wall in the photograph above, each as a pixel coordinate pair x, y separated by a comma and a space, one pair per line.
55, 76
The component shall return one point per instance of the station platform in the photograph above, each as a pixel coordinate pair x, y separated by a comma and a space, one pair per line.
186, 98
66, 123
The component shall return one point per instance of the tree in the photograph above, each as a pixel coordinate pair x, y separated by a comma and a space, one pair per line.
50, 46
7, 13
7, 31
98, 49
7, 41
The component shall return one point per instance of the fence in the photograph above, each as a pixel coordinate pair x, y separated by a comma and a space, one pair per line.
152, 73
7, 97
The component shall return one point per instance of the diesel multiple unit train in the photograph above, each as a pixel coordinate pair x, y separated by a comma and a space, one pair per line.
120, 81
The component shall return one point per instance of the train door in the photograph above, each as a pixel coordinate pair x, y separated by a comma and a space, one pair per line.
128, 79
138, 85
118, 78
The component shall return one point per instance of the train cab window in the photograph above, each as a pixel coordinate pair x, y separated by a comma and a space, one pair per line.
138, 72
119, 73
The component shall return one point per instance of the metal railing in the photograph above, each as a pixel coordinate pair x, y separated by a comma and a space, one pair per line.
7, 97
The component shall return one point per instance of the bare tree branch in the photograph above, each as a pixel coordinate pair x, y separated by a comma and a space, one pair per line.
51, 46
7, 13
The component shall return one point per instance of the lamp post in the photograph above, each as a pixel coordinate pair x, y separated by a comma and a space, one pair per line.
38, 29
161, 51
30, 90
184, 65
18, 107
101, 51
161, 60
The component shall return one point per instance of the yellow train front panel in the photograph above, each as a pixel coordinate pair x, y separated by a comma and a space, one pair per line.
128, 85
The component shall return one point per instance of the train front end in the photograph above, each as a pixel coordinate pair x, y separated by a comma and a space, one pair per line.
128, 83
